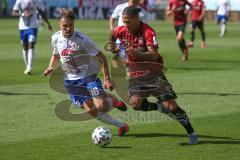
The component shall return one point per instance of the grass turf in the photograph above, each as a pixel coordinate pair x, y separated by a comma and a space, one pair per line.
207, 85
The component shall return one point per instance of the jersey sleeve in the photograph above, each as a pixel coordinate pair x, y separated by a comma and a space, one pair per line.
90, 47
54, 45
16, 6
151, 39
116, 12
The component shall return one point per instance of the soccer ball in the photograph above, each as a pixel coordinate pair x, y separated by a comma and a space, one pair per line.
101, 136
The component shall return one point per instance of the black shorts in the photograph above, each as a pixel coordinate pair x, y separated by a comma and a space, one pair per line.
179, 28
157, 86
198, 24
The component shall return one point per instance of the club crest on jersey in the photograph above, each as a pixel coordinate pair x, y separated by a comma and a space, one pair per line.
71, 48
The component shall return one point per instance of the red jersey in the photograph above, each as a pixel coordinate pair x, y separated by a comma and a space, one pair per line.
140, 41
179, 7
197, 9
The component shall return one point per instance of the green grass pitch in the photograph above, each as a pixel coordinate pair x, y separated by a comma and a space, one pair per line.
208, 88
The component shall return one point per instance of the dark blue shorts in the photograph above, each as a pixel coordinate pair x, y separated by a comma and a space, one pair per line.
84, 89
28, 35
222, 18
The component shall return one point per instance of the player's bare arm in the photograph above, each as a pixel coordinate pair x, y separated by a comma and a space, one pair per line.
228, 9
170, 9
45, 18
202, 14
17, 13
151, 54
52, 65
188, 10
112, 43
108, 84
111, 23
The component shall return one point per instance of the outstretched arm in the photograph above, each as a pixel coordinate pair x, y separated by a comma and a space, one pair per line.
112, 42
111, 23
202, 13
45, 18
228, 8
104, 65
169, 10
52, 65
15, 13
151, 54
189, 7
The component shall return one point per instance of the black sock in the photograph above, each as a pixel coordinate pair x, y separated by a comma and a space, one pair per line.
148, 106
192, 36
181, 116
182, 45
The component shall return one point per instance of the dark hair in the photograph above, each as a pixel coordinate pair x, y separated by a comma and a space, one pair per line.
67, 14
131, 11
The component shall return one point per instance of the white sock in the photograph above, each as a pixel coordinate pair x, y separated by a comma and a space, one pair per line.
106, 118
25, 55
223, 28
30, 58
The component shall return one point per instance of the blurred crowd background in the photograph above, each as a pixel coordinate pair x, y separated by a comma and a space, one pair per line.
102, 9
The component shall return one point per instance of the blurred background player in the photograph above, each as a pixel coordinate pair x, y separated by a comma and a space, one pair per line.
27, 11
117, 14
76, 51
144, 65
179, 11
197, 16
223, 12
144, 4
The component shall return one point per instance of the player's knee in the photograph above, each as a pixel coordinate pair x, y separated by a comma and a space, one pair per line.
170, 105
179, 37
90, 108
135, 102
102, 105
25, 46
31, 45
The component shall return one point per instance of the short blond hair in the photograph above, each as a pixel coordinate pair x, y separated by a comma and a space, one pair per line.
67, 14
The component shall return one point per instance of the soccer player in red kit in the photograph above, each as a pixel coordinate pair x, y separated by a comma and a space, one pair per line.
178, 9
198, 12
144, 67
